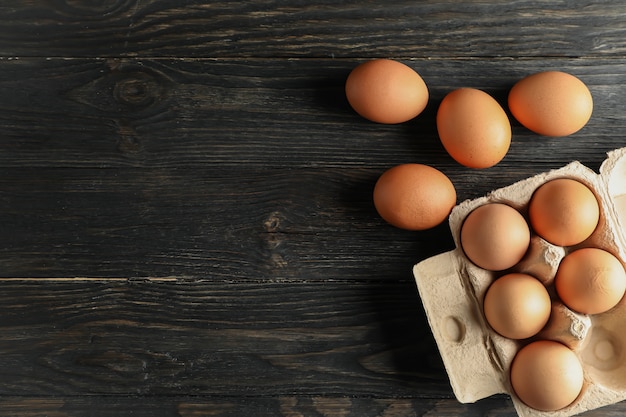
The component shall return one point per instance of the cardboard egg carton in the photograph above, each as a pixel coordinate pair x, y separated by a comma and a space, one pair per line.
476, 358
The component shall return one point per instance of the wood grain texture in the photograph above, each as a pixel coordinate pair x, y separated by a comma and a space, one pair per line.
185, 197
284, 406
287, 406
202, 223
260, 28
159, 347
266, 113
163, 337
239, 170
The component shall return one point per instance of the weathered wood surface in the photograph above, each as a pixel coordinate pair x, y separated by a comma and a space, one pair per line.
185, 197
195, 28
247, 170
252, 406
161, 337
264, 113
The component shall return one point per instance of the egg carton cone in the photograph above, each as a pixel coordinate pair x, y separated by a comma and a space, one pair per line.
452, 288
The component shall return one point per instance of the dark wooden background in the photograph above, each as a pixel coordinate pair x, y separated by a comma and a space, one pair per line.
185, 197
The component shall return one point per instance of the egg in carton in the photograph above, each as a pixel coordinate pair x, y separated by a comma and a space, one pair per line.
452, 288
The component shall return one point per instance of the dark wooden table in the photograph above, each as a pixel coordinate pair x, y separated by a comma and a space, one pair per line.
185, 197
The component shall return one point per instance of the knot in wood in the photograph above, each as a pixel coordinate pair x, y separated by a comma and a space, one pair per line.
138, 89
272, 223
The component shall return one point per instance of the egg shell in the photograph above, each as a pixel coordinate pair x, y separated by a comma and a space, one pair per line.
495, 236
452, 289
564, 212
386, 91
517, 305
551, 103
414, 196
547, 375
473, 128
590, 296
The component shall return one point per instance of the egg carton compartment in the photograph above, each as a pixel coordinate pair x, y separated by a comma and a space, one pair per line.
452, 289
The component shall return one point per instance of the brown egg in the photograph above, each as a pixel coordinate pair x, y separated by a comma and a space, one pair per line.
551, 103
564, 211
414, 196
473, 128
495, 236
590, 281
517, 306
386, 91
546, 375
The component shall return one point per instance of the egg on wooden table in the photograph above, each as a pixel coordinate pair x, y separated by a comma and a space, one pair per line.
386, 91
473, 128
551, 103
414, 196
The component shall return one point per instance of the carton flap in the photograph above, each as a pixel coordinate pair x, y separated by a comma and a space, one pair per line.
465, 348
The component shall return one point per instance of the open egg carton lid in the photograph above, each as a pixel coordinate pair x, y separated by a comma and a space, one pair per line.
451, 288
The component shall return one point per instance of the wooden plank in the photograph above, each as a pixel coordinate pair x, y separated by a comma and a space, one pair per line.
258, 114
138, 168
162, 338
195, 28
198, 161
288, 406
209, 223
